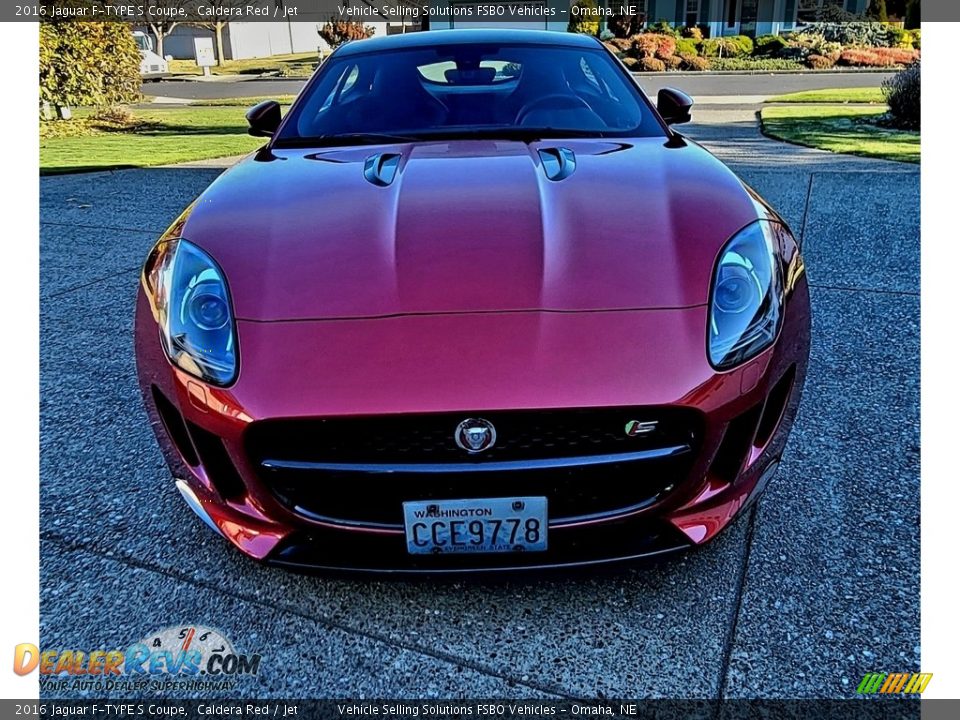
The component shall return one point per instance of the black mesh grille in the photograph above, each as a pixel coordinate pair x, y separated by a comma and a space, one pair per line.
573, 491
521, 435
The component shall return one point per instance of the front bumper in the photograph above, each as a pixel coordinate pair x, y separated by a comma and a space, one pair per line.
395, 369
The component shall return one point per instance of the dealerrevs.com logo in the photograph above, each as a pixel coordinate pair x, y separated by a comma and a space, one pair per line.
189, 657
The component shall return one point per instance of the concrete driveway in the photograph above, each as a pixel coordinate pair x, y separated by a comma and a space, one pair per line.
816, 586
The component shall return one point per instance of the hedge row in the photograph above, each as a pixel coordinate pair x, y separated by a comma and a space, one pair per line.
819, 46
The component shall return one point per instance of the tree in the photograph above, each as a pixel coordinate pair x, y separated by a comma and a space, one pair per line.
337, 32
88, 63
878, 9
912, 15
162, 28
623, 25
587, 20
218, 24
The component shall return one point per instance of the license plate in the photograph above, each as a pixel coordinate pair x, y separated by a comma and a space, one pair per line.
490, 525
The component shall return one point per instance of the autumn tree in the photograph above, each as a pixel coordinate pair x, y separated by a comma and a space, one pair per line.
88, 63
337, 32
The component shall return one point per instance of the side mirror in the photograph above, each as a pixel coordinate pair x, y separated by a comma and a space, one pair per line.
264, 118
674, 106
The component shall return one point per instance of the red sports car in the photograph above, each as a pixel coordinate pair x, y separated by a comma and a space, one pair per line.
474, 305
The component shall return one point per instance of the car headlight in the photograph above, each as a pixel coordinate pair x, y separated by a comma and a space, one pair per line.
746, 300
191, 304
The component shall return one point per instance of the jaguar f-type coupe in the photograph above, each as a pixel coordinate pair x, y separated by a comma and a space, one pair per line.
474, 305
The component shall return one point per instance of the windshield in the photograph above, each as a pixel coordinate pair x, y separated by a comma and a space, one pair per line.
143, 42
470, 90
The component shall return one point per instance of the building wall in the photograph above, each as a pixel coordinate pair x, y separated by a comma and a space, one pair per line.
243, 40
263, 39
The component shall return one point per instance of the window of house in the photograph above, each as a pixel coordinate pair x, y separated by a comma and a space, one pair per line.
791, 11
732, 13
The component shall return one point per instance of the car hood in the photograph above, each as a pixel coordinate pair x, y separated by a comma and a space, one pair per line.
469, 226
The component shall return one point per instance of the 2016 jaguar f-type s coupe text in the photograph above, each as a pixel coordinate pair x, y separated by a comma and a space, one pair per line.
474, 305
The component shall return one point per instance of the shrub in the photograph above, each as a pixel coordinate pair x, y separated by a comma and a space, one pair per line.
662, 27
794, 53
692, 33
653, 45
898, 55
744, 45
769, 45
754, 63
686, 46
900, 38
830, 12
88, 63
607, 35
631, 63
624, 26
623, 45
862, 57
674, 62
644, 45
649, 64
903, 96
866, 34
666, 46
614, 49
728, 47
915, 37
694, 62
115, 115
819, 62
587, 23
877, 57
710, 47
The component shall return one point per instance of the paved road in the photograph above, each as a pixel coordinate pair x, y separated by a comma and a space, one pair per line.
816, 586
693, 84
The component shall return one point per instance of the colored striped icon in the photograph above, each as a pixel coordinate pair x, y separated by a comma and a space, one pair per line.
894, 683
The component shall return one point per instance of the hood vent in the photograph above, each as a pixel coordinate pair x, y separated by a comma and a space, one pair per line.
381, 169
558, 163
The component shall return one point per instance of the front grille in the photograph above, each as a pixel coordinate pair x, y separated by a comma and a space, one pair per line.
521, 435
361, 470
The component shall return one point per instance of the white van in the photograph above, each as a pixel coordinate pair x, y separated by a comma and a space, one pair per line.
152, 66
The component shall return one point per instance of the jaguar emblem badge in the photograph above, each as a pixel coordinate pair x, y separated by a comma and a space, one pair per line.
475, 435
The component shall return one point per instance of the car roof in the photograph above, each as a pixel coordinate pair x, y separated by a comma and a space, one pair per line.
470, 36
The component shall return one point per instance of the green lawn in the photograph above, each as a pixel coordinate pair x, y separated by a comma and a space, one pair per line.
297, 65
839, 95
842, 129
158, 137
244, 102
